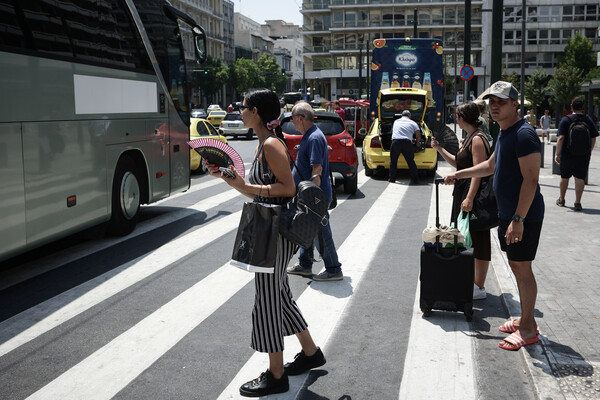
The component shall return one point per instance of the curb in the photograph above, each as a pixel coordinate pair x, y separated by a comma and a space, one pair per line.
538, 359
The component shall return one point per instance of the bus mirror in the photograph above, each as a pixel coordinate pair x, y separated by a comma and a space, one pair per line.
362, 131
200, 41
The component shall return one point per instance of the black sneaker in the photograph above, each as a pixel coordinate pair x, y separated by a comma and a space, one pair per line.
303, 363
265, 384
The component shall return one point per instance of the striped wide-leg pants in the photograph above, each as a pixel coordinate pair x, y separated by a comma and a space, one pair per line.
275, 312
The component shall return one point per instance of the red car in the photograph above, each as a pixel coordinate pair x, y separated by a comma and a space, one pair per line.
343, 158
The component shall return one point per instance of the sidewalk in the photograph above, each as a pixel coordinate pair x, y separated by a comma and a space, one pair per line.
566, 363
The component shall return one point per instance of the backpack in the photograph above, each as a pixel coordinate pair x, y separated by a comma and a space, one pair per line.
579, 136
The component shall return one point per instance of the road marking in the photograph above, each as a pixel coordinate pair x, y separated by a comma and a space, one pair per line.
37, 320
121, 361
323, 320
439, 359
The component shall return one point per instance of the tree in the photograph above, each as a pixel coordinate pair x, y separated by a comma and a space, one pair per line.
535, 87
211, 76
565, 84
270, 73
244, 75
579, 54
513, 78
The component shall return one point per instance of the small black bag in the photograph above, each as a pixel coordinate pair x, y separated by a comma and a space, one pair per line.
484, 214
255, 247
302, 217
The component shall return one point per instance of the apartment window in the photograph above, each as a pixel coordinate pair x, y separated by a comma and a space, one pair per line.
388, 18
512, 14
579, 14
375, 17
424, 17
338, 41
318, 45
363, 18
437, 16
350, 19
532, 14
449, 39
531, 37
338, 19
555, 13
476, 16
399, 18
590, 33
592, 12
567, 13
476, 39
351, 41
567, 34
555, 36
460, 15
543, 37
450, 15
509, 37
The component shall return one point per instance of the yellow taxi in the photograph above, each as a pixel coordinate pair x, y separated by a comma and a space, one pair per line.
215, 117
377, 142
201, 128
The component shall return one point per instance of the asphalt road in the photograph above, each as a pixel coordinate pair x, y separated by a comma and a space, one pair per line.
161, 315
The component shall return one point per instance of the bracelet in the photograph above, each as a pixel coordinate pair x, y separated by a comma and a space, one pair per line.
268, 191
315, 176
260, 190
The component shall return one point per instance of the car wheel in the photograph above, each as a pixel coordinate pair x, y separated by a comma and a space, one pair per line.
125, 198
368, 171
351, 184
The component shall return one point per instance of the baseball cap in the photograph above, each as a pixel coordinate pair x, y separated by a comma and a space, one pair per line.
503, 90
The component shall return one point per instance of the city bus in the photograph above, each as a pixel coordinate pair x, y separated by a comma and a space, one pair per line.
94, 114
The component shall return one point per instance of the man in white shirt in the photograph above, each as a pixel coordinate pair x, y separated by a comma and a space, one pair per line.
402, 134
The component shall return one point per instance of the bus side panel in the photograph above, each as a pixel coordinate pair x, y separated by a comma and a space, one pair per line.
62, 160
180, 152
12, 205
159, 172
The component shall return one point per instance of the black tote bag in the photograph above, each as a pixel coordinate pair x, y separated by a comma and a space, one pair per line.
255, 247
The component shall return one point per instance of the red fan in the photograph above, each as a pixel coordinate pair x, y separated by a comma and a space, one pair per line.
218, 153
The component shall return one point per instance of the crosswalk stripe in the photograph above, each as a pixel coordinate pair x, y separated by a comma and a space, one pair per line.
119, 362
35, 321
439, 360
323, 320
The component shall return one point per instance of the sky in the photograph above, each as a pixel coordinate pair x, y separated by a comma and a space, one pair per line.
261, 10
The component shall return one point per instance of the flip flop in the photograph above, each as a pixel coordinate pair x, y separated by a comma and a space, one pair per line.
510, 327
515, 342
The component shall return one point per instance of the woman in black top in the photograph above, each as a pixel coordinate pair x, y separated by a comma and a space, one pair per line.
275, 312
475, 149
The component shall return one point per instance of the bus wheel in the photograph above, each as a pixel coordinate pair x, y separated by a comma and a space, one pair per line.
125, 198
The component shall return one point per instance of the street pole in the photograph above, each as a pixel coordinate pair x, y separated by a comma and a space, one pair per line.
360, 71
496, 62
303, 80
415, 23
523, 38
467, 46
368, 62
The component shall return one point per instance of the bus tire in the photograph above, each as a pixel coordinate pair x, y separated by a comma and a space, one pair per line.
126, 195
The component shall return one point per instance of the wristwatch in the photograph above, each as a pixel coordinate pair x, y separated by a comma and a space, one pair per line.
518, 218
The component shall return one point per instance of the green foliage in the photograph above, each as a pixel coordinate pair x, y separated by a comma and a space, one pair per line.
593, 74
211, 77
270, 74
513, 78
244, 75
579, 54
535, 87
565, 84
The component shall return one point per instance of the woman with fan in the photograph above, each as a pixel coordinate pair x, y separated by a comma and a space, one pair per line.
474, 150
275, 312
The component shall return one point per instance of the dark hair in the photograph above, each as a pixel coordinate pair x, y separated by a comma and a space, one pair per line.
469, 112
577, 104
267, 105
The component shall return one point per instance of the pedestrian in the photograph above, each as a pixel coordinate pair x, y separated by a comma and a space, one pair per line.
230, 108
313, 161
485, 120
402, 143
531, 118
474, 150
275, 312
545, 125
516, 167
573, 154
339, 110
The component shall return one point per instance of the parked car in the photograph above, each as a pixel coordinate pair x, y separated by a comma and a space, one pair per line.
201, 128
213, 107
376, 145
343, 158
216, 116
199, 113
232, 125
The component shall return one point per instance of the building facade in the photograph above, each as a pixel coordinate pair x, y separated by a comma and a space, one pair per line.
288, 40
249, 39
337, 34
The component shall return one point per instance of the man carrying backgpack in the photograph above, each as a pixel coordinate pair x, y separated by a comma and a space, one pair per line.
575, 141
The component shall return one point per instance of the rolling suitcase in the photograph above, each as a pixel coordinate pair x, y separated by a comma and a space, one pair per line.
446, 274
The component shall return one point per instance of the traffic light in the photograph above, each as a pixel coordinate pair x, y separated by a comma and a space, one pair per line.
282, 71
205, 72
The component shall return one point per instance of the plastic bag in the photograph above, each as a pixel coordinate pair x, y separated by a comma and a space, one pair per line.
463, 227
446, 234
